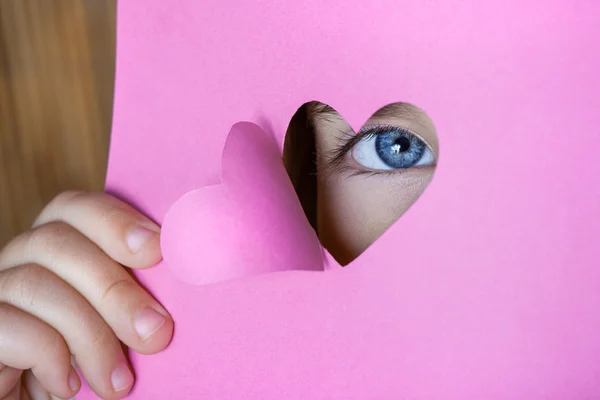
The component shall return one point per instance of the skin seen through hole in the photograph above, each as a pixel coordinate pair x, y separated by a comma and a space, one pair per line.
349, 211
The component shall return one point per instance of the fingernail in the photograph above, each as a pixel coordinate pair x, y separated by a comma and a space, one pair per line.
121, 378
73, 380
138, 237
147, 321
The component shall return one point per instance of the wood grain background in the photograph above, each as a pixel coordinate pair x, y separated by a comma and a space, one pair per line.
56, 90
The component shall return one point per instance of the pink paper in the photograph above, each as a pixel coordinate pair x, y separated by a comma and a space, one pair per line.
254, 211
487, 288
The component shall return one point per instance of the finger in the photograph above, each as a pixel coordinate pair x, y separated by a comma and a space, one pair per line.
122, 232
15, 394
38, 292
34, 389
28, 343
10, 380
135, 316
32, 386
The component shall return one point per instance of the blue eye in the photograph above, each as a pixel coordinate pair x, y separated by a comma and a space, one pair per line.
391, 148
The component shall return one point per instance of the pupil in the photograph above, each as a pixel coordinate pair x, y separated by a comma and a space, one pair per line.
398, 149
401, 145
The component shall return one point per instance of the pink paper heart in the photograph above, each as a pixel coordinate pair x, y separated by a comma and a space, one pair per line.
254, 210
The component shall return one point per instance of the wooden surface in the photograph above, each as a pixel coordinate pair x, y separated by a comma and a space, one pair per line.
56, 88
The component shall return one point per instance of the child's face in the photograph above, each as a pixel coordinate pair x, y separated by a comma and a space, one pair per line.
366, 181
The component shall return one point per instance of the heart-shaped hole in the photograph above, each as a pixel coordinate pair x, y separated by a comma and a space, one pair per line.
354, 185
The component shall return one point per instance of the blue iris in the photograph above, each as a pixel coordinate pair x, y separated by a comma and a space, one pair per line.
399, 148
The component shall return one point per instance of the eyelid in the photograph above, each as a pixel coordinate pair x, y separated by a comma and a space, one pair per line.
337, 157
382, 128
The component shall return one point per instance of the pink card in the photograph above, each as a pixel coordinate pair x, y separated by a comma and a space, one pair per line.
487, 288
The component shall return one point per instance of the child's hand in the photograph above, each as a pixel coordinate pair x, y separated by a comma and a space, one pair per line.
63, 291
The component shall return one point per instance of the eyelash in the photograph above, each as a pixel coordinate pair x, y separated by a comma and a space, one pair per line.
335, 158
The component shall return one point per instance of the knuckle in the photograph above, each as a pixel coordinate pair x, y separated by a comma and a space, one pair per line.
53, 210
120, 285
50, 238
64, 199
103, 336
27, 247
53, 350
23, 284
114, 215
53, 345
102, 209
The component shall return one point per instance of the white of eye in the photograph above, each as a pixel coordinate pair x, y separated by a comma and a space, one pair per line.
365, 154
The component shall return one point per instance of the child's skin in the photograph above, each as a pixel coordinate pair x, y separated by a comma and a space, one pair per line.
65, 287
356, 196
